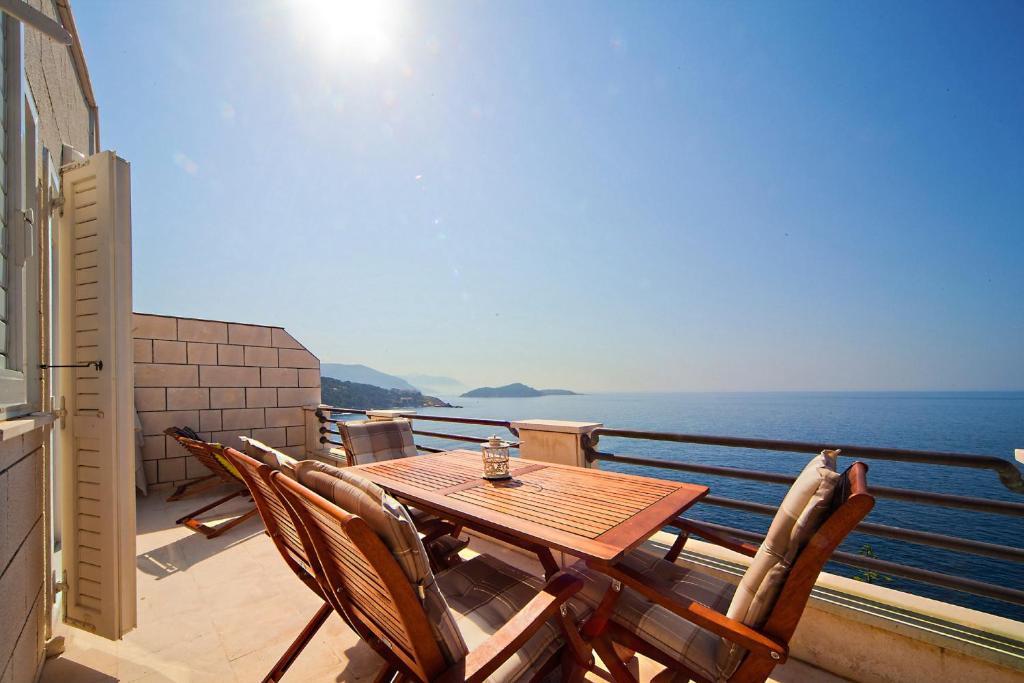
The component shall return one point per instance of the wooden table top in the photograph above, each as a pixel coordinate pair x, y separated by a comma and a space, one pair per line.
586, 512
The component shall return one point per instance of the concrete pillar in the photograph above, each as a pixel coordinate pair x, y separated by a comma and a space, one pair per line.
554, 441
315, 449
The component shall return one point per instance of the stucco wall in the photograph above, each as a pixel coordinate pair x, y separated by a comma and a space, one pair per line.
63, 113
222, 380
22, 540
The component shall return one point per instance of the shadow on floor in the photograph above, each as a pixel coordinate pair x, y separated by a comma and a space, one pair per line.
60, 669
194, 548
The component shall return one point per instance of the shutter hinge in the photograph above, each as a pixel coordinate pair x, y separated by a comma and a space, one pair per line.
57, 203
59, 586
62, 413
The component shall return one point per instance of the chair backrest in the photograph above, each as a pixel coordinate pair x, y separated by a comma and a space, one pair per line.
363, 575
279, 524
207, 453
376, 440
272, 457
848, 502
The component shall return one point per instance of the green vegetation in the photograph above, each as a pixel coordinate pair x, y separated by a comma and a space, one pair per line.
366, 396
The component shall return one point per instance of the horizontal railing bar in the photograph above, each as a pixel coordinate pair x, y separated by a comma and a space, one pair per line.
456, 437
325, 439
987, 590
997, 507
1008, 473
415, 416
955, 543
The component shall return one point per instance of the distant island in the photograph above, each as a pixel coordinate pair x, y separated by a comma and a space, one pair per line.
516, 390
342, 394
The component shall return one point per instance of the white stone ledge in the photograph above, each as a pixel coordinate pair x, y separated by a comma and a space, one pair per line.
560, 426
10, 429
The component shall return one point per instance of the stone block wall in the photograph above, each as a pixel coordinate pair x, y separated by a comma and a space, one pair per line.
223, 380
22, 541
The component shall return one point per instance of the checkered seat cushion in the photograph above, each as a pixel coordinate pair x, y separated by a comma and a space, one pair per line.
802, 511
483, 594
693, 646
369, 441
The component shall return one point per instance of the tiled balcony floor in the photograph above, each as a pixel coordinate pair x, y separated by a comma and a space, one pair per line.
225, 609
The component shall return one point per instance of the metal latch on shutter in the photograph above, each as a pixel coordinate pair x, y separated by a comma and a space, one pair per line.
98, 364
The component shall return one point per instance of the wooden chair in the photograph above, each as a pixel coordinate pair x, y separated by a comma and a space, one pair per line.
368, 441
212, 457
195, 486
481, 619
699, 626
283, 533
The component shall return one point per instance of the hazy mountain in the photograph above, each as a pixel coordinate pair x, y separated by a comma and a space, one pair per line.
364, 375
367, 397
433, 384
516, 390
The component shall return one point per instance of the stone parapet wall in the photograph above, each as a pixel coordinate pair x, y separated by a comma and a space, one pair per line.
223, 380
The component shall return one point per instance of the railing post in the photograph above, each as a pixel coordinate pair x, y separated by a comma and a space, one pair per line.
314, 448
554, 441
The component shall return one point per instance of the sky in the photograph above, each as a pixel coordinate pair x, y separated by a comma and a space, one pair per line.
594, 196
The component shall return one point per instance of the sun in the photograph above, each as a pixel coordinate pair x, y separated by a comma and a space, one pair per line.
348, 28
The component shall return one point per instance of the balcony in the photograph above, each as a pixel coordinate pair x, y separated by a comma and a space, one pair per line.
226, 608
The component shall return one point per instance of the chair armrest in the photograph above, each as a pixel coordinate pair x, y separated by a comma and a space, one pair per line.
435, 529
660, 592
714, 536
487, 657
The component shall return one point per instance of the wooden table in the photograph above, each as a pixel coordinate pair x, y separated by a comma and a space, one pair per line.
585, 512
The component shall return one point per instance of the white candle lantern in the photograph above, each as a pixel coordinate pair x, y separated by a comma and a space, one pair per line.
495, 454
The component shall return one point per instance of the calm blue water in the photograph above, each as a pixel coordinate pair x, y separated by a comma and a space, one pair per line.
986, 423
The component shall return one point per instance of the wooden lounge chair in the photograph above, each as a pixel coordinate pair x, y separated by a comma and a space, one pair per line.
481, 619
368, 441
195, 486
211, 455
701, 627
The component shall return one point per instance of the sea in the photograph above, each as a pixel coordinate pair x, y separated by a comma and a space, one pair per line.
989, 423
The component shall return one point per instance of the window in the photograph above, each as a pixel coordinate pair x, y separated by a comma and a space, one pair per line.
19, 274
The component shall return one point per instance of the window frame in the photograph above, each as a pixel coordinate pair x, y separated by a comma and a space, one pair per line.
20, 390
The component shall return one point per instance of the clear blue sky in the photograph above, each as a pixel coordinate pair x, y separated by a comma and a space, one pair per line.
615, 196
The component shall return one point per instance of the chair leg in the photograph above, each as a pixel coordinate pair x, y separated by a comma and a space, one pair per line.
206, 508
606, 651
193, 487
299, 644
192, 522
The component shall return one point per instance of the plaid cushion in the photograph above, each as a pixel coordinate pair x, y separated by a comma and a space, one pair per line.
800, 514
694, 647
269, 456
484, 593
391, 522
373, 441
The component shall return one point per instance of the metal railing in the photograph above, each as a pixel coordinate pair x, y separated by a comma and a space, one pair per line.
324, 415
1008, 474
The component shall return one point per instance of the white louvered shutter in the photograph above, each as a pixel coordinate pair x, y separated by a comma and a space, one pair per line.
97, 439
